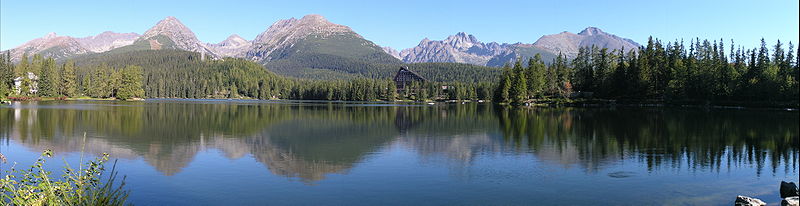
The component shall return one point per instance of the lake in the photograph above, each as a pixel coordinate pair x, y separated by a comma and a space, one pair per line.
218, 152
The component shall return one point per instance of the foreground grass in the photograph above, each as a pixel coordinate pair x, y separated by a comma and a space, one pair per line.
35, 186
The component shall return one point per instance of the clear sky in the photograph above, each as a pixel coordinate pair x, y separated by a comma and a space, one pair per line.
402, 24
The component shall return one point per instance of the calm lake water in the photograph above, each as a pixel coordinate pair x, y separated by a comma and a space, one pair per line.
316, 153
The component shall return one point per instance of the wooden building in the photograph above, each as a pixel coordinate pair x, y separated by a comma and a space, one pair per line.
405, 77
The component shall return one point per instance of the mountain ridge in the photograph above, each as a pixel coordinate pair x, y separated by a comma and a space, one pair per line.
313, 42
465, 48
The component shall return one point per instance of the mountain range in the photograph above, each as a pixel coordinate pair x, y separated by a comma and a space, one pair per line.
312, 43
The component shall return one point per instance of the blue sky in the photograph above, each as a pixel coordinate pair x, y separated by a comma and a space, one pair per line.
402, 24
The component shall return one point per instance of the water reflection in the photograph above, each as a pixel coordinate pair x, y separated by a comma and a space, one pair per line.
310, 141
658, 138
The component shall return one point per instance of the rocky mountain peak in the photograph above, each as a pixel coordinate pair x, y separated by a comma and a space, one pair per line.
50, 35
392, 51
298, 28
568, 43
169, 27
234, 39
284, 33
50, 45
591, 31
462, 39
315, 18
233, 46
461, 48
182, 36
107, 41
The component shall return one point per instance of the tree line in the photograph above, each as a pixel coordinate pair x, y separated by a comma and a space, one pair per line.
656, 71
181, 74
44, 77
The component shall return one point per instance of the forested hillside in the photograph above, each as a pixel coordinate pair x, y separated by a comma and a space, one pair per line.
182, 74
703, 71
662, 72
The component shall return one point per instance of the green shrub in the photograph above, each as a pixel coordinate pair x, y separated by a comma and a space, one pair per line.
36, 186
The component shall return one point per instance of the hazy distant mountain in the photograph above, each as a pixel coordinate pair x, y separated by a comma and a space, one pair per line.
519, 50
107, 41
568, 43
233, 46
459, 48
392, 51
50, 45
464, 48
60, 47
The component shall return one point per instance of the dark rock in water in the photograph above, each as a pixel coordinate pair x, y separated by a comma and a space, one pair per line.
748, 201
788, 189
790, 201
621, 174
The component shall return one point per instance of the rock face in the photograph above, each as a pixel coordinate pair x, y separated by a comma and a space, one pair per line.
285, 33
459, 48
748, 201
568, 43
465, 48
392, 51
107, 41
181, 36
790, 201
233, 46
51, 45
788, 189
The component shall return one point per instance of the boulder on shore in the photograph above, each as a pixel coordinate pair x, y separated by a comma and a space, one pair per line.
788, 189
748, 201
790, 201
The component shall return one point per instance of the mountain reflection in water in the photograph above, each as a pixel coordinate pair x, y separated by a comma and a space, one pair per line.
310, 141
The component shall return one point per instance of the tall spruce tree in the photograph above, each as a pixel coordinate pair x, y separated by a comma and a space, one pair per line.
503, 91
131, 83
49, 79
536, 78
519, 88
69, 80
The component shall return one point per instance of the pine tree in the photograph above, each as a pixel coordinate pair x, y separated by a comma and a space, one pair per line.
519, 88
69, 80
620, 84
563, 75
503, 93
677, 84
22, 67
536, 79
48, 80
584, 73
6, 74
87, 85
131, 83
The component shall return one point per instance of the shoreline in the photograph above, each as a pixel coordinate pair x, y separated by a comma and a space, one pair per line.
578, 103
724, 104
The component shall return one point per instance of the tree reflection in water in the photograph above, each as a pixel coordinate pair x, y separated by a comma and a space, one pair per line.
311, 140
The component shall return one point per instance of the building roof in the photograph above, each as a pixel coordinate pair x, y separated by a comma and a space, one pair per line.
405, 74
